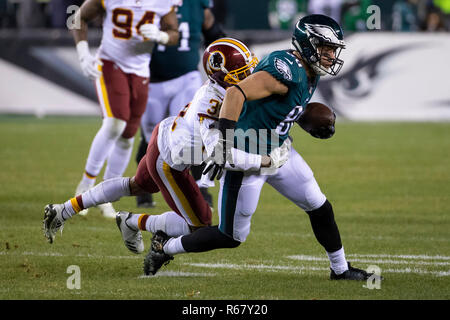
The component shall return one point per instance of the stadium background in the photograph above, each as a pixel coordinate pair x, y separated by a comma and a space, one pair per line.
395, 77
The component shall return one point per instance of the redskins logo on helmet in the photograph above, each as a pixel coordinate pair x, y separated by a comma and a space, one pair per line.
230, 56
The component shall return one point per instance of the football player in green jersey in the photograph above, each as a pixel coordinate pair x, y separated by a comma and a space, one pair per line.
174, 76
260, 110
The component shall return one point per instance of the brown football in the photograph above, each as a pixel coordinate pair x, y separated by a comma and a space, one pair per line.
317, 118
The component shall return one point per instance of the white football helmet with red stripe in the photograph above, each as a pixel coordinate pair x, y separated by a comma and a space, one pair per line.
231, 57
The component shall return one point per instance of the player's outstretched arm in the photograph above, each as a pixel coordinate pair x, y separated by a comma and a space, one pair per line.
256, 86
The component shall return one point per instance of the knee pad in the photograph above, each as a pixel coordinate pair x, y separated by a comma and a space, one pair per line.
314, 198
113, 127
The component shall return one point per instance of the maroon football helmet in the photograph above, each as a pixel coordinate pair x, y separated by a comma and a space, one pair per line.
231, 57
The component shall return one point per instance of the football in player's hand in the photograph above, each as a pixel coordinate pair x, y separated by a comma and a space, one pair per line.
318, 120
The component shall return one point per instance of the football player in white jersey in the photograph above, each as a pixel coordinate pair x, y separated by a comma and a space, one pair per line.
120, 69
165, 167
175, 77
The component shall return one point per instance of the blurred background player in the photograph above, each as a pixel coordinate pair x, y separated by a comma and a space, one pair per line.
121, 73
175, 76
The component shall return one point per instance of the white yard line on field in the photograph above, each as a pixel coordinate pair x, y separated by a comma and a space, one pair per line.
381, 261
57, 254
268, 267
255, 267
178, 274
401, 256
300, 269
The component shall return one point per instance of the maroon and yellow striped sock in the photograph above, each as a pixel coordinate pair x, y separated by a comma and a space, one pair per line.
142, 220
77, 203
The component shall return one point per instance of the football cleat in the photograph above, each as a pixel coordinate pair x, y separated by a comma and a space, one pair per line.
107, 210
53, 221
351, 274
131, 238
82, 187
156, 257
145, 201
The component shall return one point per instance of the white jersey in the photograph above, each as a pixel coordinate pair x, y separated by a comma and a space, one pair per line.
188, 138
121, 42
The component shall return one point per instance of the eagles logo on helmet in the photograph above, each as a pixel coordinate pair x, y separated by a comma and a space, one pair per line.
231, 57
313, 32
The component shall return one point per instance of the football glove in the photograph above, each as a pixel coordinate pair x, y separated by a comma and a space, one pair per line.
279, 156
215, 164
151, 32
88, 63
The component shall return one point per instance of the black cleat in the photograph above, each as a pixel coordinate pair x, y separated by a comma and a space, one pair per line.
145, 200
207, 196
156, 257
351, 274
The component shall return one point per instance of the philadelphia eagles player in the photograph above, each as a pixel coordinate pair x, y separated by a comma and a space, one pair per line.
270, 99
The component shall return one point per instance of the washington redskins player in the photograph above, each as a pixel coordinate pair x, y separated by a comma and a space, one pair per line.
165, 167
121, 74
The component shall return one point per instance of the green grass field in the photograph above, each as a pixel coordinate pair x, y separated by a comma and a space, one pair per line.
388, 183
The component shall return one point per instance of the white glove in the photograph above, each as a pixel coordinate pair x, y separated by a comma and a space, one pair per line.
280, 156
151, 32
89, 64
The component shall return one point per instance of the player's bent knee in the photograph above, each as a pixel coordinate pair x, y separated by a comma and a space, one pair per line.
135, 188
114, 127
313, 196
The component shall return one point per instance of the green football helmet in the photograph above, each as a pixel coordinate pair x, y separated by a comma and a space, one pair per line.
313, 32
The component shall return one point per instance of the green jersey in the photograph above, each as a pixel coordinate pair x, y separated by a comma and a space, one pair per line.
265, 123
169, 62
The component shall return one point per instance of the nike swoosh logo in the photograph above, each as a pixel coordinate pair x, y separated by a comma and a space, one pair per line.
290, 62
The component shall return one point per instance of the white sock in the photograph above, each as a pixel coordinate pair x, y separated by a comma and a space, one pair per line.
173, 246
119, 158
103, 143
108, 191
337, 261
87, 180
68, 211
169, 222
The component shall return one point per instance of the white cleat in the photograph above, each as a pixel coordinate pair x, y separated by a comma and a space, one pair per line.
131, 238
53, 221
82, 187
107, 210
